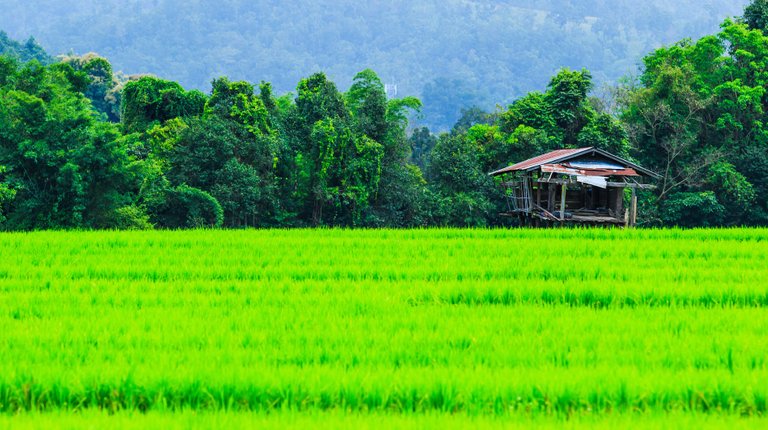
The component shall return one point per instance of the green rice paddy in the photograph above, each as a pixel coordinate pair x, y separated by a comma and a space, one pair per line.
414, 328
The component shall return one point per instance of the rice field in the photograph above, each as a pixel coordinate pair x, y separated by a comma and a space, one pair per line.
415, 328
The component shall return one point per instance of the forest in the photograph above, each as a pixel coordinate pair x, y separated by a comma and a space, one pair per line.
450, 54
83, 146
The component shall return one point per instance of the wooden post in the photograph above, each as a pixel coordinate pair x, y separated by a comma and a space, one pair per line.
562, 202
618, 201
538, 194
633, 209
551, 191
529, 185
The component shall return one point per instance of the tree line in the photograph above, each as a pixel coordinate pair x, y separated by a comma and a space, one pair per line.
84, 147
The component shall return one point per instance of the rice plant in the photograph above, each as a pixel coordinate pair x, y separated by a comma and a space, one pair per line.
485, 324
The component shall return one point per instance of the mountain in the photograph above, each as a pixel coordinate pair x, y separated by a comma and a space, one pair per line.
452, 53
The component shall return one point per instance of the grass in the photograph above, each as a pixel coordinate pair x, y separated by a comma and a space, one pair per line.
187, 419
412, 326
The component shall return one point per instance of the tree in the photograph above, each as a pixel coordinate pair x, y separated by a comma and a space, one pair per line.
697, 117
422, 141
188, 207
689, 209
665, 120
567, 99
103, 87
756, 15
367, 101
471, 117
23, 52
7, 195
336, 170
66, 169
236, 101
605, 132
461, 188
151, 100
318, 99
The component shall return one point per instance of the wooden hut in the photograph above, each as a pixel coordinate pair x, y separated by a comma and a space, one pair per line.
580, 186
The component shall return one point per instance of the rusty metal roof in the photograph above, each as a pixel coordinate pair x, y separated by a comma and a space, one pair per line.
562, 155
567, 169
548, 158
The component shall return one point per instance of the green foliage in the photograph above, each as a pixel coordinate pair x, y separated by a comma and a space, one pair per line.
488, 141
756, 15
693, 210
324, 157
188, 207
7, 194
532, 110
605, 132
732, 188
64, 167
403, 198
462, 189
103, 87
698, 118
150, 100
562, 117
203, 148
225, 159
318, 98
566, 98
131, 218
422, 142
237, 101
23, 52
367, 101
337, 161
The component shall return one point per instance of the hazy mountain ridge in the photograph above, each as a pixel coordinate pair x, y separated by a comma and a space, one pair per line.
489, 51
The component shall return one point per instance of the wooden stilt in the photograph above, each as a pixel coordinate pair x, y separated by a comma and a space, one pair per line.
562, 202
551, 192
538, 194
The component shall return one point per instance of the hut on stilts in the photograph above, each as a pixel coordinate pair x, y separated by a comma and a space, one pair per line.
574, 186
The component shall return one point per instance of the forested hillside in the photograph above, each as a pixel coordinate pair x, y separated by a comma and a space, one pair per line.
451, 53
26, 51
82, 146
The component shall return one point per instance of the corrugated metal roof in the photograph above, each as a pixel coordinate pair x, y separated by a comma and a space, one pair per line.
568, 170
548, 158
562, 155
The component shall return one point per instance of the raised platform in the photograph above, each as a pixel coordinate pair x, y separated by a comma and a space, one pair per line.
579, 219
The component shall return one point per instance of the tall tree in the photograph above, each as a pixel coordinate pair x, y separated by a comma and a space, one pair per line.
65, 168
104, 89
368, 103
567, 98
150, 101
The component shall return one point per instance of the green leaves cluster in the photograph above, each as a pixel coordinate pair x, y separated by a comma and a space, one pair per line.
183, 159
698, 116
61, 167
